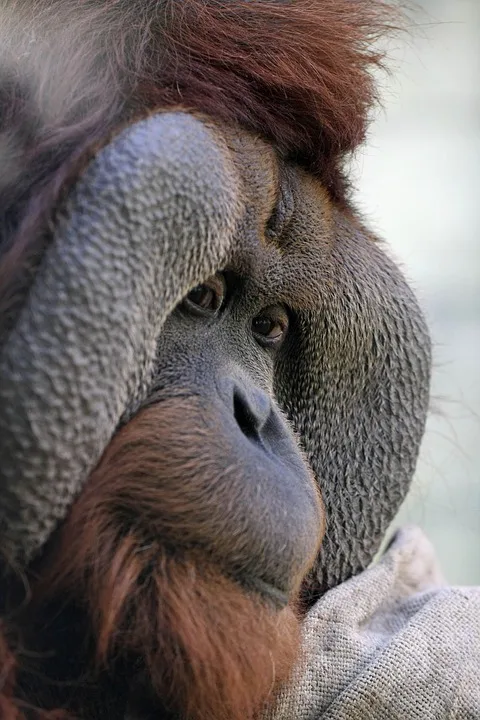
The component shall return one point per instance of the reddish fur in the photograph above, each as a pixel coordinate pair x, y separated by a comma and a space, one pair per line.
209, 650
7, 679
10, 707
298, 73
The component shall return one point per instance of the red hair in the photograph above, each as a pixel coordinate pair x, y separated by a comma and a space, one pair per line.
207, 649
297, 73
300, 75
10, 707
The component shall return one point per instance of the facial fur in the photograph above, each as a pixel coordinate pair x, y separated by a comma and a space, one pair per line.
182, 466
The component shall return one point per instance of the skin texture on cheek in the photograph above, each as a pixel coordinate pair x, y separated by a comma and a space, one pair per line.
171, 520
358, 331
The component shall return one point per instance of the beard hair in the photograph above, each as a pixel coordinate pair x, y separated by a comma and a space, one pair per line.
184, 639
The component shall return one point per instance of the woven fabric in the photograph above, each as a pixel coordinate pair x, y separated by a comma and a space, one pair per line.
393, 643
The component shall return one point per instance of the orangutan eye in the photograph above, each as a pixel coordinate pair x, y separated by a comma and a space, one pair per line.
204, 297
270, 327
207, 298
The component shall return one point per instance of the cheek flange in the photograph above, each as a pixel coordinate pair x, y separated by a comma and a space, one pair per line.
143, 224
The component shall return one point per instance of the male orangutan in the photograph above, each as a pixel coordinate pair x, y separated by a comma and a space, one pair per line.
205, 356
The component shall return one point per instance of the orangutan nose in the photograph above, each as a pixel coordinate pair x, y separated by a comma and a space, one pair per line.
251, 409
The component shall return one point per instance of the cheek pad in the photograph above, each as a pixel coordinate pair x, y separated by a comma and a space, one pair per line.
357, 392
142, 225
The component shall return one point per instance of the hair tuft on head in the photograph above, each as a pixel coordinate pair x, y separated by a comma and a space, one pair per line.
299, 73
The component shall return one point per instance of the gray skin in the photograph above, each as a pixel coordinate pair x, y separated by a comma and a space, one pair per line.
171, 201
255, 492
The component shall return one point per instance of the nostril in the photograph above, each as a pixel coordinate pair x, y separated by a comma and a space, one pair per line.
244, 416
251, 409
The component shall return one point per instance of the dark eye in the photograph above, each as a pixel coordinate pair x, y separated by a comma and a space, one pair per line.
204, 297
270, 327
207, 298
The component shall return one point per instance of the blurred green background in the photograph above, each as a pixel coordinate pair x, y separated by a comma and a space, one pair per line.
419, 185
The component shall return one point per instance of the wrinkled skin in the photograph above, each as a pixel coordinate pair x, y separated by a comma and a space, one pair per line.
337, 406
167, 474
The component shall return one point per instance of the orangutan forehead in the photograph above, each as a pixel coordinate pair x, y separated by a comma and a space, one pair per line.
297, 73
287, 225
